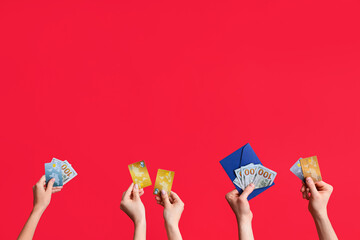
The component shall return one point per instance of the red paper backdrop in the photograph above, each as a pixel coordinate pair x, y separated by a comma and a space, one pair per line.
180, 85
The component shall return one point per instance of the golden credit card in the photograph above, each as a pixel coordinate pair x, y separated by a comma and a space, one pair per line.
164, 181
140, 174
310, 168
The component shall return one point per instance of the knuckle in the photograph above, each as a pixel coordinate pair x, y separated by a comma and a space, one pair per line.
227, 196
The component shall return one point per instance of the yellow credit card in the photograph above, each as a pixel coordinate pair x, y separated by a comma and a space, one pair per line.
310, 168
140, 174
164, 181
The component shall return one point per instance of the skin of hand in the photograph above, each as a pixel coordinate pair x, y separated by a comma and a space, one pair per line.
241, 207
42, 197
318, 195
132, 205
239, 203
42, 194
173, 208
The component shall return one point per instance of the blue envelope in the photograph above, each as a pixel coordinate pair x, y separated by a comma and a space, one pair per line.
241, 157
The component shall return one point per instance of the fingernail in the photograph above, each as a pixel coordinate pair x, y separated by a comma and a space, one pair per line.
252, 185
136, 186
53, 179
308, 179
163, 192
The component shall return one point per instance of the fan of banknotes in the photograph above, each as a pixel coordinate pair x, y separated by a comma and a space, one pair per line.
61, 171
257, 174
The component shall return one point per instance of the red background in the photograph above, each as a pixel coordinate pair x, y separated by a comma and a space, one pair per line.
180, 85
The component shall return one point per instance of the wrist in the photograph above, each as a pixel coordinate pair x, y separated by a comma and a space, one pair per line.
172, 230
140, 223
244, 223
318, 216
244, 219
171, 225
37, 210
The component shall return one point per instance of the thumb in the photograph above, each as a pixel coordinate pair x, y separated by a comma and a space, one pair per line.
165, 198
50, 185
136, 192
249, 189
310, 183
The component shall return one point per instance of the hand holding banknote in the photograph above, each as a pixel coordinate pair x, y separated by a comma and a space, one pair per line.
42, 194
239, 203
42, 198
241, 207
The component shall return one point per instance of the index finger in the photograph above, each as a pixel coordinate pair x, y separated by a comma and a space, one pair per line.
129, 190
321, 185
42, 180
174, 196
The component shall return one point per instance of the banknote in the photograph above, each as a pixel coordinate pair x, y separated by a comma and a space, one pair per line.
310, 168
296, 169
237, 183
248, 173
263, 177
242, 180
68, 172
238, 179
140, 174
164, 181
53, 170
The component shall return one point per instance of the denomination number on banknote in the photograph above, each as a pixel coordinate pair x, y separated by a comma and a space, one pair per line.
251, 171
264, 174
66, 170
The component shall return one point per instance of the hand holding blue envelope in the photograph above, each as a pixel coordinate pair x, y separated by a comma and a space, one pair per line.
244, 167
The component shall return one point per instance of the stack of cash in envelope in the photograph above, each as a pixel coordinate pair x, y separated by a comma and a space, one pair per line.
61, 171
257, 174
